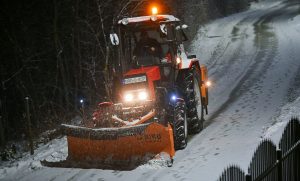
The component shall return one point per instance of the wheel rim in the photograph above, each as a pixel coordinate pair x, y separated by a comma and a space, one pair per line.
197, 97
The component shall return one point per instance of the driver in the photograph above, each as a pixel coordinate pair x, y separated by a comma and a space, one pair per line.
147, 50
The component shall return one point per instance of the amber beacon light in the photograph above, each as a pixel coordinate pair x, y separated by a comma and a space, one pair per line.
154, 10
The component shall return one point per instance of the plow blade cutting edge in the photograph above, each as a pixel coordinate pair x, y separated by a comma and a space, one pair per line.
105, 147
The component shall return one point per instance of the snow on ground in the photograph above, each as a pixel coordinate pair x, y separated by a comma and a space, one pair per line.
55, 150
219, 45
288, 111
253, 63
253, 60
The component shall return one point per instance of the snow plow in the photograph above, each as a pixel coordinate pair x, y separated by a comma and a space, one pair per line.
121, 144
159, 96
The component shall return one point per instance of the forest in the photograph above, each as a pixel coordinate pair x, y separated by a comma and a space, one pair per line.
56, 53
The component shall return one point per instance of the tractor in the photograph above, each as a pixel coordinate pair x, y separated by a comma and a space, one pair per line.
159, 95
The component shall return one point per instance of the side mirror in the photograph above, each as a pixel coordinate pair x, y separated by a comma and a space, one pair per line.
114, 39
191, 56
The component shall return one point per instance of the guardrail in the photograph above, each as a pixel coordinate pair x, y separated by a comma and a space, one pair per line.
269, 163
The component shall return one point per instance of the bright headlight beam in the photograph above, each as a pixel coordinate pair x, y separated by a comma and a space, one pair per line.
208, 84
173, 97
128, 97
178, 60
143, 95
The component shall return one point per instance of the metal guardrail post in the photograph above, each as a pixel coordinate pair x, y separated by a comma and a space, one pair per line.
279, 167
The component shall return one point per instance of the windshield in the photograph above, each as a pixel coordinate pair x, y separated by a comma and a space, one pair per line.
145, 45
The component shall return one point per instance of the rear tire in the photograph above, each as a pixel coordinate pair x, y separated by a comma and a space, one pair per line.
180, 130
189, 84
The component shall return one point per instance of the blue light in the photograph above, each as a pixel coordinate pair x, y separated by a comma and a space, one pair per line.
174, 97
81, 101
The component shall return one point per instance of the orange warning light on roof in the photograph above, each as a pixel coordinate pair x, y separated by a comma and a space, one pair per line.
154, 10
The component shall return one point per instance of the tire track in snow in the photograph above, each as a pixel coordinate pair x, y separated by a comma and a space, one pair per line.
266, 44
294, 87
263, 57
238, 33
267, 62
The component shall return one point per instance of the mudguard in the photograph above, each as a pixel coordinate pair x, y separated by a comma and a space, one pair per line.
203, 88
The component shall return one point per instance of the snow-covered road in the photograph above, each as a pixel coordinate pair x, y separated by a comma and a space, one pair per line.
253, 59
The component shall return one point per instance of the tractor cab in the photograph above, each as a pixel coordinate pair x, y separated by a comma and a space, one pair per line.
149, 41
145, 46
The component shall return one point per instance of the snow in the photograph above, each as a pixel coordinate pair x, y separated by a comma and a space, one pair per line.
125, 21
55, 150
288, 112
253, 62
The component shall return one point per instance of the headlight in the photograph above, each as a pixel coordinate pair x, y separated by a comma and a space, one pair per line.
208, 83
143, 95
138, 95
178, 60
128, 97
173, 97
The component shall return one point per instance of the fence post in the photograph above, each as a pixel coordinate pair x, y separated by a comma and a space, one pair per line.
279, 167
248, 177
29, 126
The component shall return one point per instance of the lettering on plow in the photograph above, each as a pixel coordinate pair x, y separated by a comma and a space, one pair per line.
149, 138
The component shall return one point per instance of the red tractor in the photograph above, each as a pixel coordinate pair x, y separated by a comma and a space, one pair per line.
159, 92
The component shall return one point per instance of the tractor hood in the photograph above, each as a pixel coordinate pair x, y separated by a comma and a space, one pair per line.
143, 75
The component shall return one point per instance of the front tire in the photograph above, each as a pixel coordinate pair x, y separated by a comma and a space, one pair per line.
190, 87
180, 130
